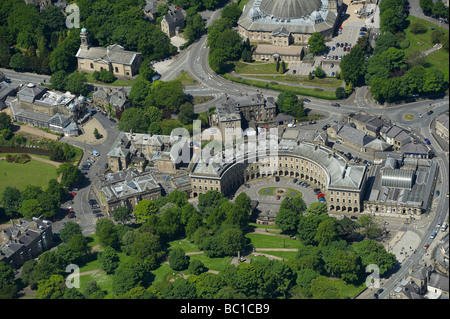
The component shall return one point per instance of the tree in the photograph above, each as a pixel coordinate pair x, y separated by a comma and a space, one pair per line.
106, 233
63, 56
316, 43
289, 103
8, 287
340, 93
326, 233
232, 240
324, 288
196, 267
122, 214
5, 121
76, 83
70, 229
70, 174
319, 72
287, 221
18, 62
353, 66
31, 208
108, 259
178, 259
372, 252
231, 12
144, 209
11, 201
186, 115
371, 228
52, 288
218, 61
427, 6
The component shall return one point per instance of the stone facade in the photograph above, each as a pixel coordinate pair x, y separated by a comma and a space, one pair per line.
113, 58
24, 241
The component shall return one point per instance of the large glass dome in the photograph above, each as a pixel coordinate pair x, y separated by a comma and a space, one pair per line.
292, 9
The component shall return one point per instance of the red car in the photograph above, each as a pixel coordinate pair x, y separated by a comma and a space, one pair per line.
73, 193
71, 215
320, 195
278, 197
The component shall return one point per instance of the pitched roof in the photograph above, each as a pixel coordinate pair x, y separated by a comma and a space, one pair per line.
111, 54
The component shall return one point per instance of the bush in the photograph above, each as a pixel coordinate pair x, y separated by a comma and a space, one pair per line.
340, 93
417, 28
404, 44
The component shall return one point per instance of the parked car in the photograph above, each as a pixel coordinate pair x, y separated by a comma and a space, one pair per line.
295, 180
430, 112
247, 185
278, 197
335, 104
98, 215
306, 99
71, 215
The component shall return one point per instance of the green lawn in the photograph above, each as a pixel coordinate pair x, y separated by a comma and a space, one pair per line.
438, 59
255, 68
186, 79
291, 192
117, 82
329, 82
315, 92
265, 241
20, 175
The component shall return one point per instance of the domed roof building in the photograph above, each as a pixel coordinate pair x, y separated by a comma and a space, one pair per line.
262, 20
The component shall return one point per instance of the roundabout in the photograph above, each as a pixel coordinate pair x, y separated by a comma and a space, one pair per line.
279, 191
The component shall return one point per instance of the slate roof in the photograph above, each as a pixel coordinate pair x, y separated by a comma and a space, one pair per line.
111, 54
296, 16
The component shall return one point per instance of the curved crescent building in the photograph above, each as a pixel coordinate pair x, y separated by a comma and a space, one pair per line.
286, 22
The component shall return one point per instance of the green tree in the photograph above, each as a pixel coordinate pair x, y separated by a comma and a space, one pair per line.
326, 233
196, 267
76, 83
108, 259
372, 252
70, 229
144, 209
52, 288
31, 208
178, 259
370, 227
316, 43
340, 93
18, 62
353, 66
8, 286
319, 72
324, 288
232, 240
70, 174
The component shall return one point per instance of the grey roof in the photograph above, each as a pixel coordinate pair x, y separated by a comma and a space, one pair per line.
29, 93
289, 8
353, 135
296, 16
415, 148
151, 7
398, 178
174, 17
392, 191
111, 54
126, 184
394, 131
439, 281
339, 173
